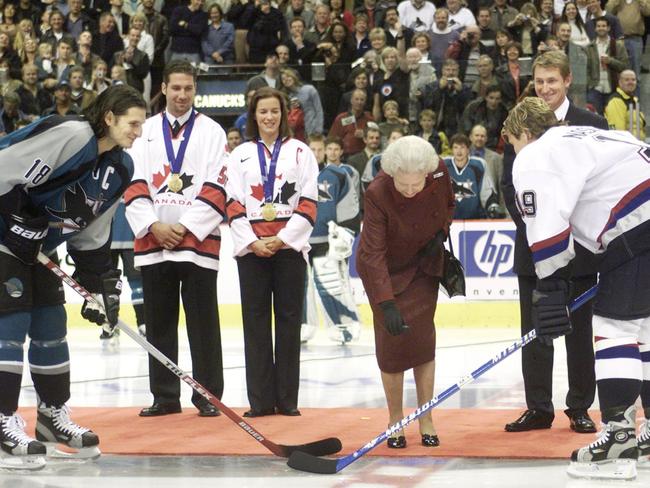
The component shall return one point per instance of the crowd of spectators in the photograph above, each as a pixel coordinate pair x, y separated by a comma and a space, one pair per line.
435, 69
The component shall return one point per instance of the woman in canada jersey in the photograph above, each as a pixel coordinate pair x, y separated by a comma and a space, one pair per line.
272, 193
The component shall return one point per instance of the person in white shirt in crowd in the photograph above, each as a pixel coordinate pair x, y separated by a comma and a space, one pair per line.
459, 16
417, 14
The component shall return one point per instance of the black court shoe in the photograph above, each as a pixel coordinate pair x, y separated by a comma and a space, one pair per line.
208, 410
398, 442
259, 413
289, 412
580, 422
158, 409
531, 420
430, 440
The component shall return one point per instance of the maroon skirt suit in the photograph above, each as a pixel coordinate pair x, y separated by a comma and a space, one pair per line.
392, 266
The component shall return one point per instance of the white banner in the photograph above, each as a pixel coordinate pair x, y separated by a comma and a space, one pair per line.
485, 247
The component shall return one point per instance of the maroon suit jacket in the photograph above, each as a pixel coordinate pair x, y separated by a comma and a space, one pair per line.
396, 228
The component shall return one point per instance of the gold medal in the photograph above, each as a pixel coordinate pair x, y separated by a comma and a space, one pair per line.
175, 183
268, 212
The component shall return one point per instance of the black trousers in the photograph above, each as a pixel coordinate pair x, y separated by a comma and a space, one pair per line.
537, 358
198, 288
272, 374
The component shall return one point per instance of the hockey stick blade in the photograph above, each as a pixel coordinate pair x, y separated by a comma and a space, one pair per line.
321, 447
305, 462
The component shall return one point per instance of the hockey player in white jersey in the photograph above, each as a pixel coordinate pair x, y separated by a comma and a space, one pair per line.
602, 201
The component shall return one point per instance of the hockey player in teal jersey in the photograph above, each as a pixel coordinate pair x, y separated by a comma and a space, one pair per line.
60, 181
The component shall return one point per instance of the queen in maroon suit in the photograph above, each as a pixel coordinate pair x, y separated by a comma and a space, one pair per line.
408, 211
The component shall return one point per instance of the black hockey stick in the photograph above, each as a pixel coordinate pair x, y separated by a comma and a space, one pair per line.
306, 462
322, 447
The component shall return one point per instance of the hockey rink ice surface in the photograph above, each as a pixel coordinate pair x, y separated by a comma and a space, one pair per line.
331, 376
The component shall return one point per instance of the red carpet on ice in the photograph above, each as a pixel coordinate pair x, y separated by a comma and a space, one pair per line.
463, 433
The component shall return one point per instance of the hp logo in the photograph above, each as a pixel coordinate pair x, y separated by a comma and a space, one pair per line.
487, 253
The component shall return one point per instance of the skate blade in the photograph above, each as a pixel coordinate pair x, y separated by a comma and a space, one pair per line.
22, 463
643, 462
619, 469
55, 452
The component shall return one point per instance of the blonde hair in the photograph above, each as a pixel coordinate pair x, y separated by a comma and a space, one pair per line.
21, 37
377, 33
390, 103
45, 48
388, 51
139, 16
533, 115
409, 154
553, 59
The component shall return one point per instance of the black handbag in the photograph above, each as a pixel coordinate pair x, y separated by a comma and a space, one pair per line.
453, 274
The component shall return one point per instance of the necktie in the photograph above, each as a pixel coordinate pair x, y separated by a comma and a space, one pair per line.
176, 128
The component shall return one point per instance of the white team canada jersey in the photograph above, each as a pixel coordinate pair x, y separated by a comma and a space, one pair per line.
295, 193
199, 205
580, 183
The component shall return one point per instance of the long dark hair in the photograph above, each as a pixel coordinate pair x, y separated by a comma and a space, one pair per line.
579, 23
252, 129
117, 99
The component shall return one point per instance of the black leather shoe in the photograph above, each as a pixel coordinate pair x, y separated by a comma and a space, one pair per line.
531, 420
208, 410
289, 412
430, 440
259, 413
581, 422
396, 442
158, 409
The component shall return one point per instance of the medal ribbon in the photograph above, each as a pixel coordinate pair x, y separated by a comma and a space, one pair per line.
268, 180
175, 162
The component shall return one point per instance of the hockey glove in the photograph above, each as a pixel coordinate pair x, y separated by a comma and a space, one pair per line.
435, 245
550, 312
494, 212
25, 235
393, 321
111, 287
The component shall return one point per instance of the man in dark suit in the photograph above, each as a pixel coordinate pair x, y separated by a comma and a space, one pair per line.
552, 78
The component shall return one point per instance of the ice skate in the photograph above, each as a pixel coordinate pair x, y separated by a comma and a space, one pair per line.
644, 445
18, 451
55, 427
613, 455
110, 339
307, 332
344, 333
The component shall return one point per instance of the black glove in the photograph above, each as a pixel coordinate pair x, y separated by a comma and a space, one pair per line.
111, 287
393, 321
550, 312
435, 245
494, 212
25, 235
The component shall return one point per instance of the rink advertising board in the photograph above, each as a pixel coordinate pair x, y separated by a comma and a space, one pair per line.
485, 247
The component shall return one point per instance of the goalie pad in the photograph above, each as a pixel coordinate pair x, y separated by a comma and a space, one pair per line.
332, 281
340, 240
309, 309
